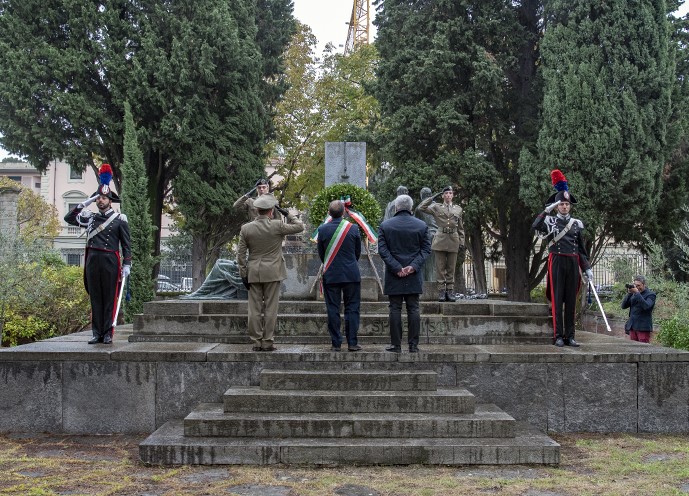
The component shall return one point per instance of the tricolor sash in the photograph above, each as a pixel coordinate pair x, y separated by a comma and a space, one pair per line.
336, 243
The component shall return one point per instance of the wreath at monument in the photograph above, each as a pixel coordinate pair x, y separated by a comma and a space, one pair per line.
357, 201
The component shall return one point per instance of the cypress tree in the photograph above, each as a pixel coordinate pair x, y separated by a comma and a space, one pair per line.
136, 206
221, 154
66, 69
459, 96
608, 72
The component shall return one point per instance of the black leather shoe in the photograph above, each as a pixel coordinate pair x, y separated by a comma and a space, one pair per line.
571, 342
356, 347
394, 349
442, 296
559, 342
413, 349
450, 296
335, 348
95, 340
107, 339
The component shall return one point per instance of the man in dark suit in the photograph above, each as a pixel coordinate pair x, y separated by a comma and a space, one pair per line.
404, 245
339, 248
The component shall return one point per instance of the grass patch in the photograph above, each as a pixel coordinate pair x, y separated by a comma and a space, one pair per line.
591, 464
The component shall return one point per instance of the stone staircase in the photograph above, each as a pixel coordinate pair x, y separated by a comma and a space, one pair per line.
342, 417
305, 322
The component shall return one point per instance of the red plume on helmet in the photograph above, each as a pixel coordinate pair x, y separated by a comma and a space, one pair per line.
561, 186
104, 177
105, 174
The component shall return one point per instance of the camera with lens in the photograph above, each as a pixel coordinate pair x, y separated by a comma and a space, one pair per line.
629, 286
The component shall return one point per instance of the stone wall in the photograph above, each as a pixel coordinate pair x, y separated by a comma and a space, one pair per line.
139, 387
9, 197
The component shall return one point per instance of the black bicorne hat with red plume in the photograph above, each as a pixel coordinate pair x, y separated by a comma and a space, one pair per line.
562, 188
104, 178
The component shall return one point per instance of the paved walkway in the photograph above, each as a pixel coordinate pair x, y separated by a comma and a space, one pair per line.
595, 348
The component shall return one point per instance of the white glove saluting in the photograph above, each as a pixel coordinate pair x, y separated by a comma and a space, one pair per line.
87, 202
589, 274
551, 207
126, 270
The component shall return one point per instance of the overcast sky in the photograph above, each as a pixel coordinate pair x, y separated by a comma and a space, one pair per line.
328, 19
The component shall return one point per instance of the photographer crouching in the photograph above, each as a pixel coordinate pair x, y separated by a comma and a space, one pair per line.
640, 300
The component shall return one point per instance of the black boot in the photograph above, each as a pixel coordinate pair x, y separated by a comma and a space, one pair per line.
442, 295
450, 295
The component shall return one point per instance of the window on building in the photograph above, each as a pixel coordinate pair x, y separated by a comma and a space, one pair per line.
15, 178
75, 174
73, 259
38, 185
71, 206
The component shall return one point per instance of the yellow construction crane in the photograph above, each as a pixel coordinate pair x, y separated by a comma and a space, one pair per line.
359, 23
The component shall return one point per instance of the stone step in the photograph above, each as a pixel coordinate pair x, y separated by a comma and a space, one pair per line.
353, 380
253, 399
496, 308
209, 420
292, 325
142, 337
168, 446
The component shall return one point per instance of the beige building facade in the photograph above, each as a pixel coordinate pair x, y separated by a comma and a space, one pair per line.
64, 188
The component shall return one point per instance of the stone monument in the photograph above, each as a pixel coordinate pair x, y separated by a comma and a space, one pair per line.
345, 162
390, 210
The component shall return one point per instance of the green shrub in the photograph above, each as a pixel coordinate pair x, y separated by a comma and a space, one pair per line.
19, 329
674, 332
538, 294
54, 306
64, 302
362, 201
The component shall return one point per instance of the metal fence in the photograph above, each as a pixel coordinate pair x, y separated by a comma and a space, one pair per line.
175, 275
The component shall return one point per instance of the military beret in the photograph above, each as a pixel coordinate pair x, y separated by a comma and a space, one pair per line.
264, 202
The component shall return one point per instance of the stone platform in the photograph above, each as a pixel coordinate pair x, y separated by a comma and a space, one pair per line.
63, 385
303, 322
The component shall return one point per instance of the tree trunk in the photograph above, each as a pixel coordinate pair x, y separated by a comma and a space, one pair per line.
460, 280
515, 219
198, 260
478, 258
517, 251
157, 183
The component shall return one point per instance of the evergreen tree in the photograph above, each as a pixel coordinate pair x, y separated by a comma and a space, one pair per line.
608, 70
459, 97
67, 68
221, 155
136, 206
672, 213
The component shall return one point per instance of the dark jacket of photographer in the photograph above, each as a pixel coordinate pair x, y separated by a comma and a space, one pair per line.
640, 309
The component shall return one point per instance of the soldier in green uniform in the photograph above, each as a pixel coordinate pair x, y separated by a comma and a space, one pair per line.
246, 203
448, 240
262, 267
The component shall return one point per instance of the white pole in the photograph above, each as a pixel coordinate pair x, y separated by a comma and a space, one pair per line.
602, 312
119, 303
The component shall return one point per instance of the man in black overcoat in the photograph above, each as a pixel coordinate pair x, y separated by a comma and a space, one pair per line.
404, 245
